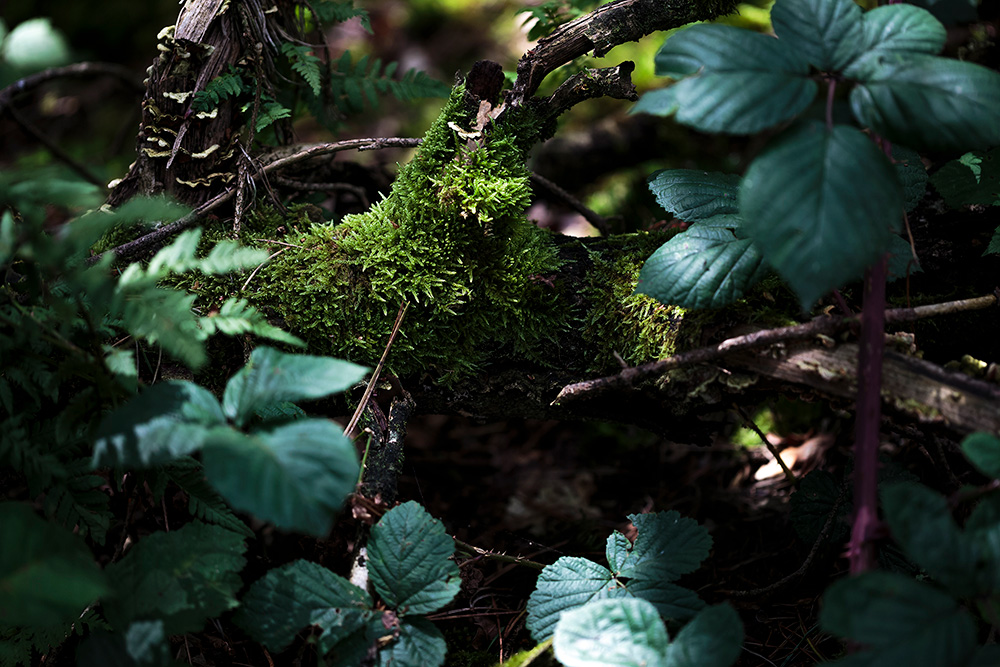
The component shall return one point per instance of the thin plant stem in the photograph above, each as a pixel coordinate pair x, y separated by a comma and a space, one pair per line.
831, 87
378, 370
861, 550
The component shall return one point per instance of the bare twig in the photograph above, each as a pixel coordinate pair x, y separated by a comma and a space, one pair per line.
53, 147
821, 325
77, 70
802, 569
767, 443
500, 558
378, 370
589, 215
143, 243
603, 29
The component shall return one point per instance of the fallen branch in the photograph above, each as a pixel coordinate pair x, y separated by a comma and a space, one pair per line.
77, 70
144, 243
603, 29
824, 325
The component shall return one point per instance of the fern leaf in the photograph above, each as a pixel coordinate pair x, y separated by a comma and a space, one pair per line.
237, 316
358, 86
226, 85
17, 451
78, 503
329, 11
228, 256
270, 111
177, 257
305, 64
203, 501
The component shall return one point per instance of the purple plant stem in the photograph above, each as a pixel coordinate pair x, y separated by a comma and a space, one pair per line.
861, 550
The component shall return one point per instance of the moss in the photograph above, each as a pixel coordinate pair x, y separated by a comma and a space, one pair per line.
635, 326
451, 240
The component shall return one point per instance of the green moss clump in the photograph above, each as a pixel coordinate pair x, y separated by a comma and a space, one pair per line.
451, 240
635, 326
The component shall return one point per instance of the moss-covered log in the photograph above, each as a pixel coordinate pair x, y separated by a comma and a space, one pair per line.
484, 284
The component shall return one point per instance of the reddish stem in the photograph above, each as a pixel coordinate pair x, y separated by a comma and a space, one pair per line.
861, 551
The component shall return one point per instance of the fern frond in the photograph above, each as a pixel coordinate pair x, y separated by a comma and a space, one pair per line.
78, 503
203, 501
356, 86
334, 11
269, 112
226, 85
17, 451
305, 64
237, 316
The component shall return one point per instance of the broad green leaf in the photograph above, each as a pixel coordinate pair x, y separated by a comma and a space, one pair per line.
143, 644
901, 263
274, 377
714, 638
927, 102
738, 81
825, 32
409, 560
611, 633
974, 178
296, 475
47, 575
568, 583
983, 529
994, 247
291, 597
7, 236
896, 29
911, 172
694, 195
146, 643
181, 577
419, 644
724, 48
617, 550
921, 522
672, 601
35, 45
667, 546
983, 451
900, 621
810, 212
706, 266
168, 420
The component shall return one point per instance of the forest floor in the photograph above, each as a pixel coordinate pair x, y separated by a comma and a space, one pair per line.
541, 490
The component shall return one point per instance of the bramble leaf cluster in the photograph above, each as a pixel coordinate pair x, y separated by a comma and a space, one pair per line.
409, 567
801, 204
614, 615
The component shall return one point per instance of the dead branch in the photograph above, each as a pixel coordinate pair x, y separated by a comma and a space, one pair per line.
824, 325
603, 29
144, 243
